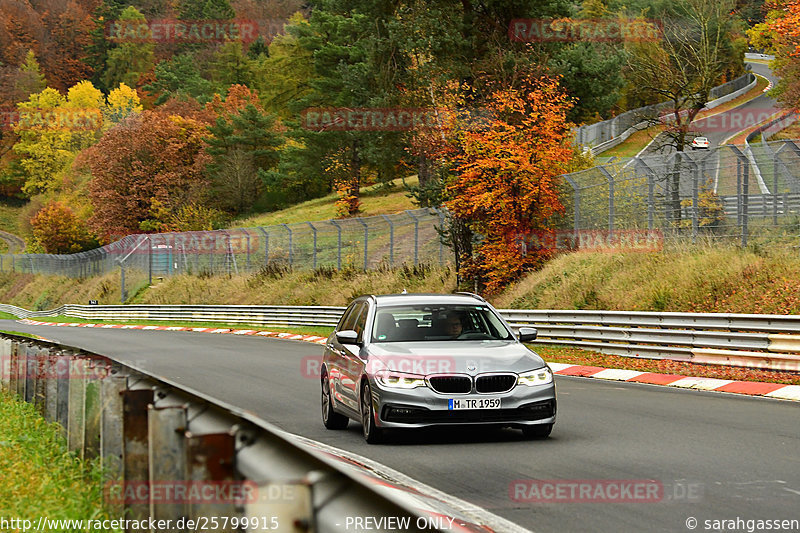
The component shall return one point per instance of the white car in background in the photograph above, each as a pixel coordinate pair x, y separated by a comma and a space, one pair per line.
700, 143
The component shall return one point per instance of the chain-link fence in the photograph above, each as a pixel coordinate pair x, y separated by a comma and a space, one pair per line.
409, 237
723, 193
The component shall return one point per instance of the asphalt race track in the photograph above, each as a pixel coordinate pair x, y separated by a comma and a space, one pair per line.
713, 456
720, 127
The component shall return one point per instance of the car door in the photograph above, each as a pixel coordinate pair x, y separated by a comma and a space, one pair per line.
353, 365
335, 357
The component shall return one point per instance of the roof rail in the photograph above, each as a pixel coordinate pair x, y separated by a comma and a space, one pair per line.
478, 296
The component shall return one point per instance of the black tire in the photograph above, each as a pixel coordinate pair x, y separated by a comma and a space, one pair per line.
372, 433
330, 418
542, 431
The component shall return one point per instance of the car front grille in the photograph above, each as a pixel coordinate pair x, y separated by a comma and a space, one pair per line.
495, 382
451, 384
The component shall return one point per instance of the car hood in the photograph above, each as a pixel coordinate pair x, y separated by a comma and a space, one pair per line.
468, 357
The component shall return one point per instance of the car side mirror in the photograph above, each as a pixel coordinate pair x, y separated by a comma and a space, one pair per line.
527, 334
347, 336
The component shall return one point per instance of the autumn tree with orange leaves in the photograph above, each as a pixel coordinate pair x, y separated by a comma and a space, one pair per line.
786, 27
505, 186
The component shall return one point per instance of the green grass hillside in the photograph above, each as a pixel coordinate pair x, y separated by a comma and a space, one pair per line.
700, 279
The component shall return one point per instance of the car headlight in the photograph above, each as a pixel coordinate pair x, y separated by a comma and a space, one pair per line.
542, 376
399, 380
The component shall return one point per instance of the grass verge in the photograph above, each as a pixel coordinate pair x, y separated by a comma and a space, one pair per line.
307, 330
375, 200
38, 476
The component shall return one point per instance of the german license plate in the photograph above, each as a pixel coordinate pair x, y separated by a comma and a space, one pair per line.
473, 403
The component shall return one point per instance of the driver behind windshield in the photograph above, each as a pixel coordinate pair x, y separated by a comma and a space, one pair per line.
453, 324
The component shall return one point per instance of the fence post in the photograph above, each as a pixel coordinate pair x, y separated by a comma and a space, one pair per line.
247, 260
314, 232
610, 179
416, 236
366, 240
339, 245
745, 202
775, 186
695, 204
441, 241
739, 193
122, 283
391, 239
291, 251
149, 260
266, 244
576, 210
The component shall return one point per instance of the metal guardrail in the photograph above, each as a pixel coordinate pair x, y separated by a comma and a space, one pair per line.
750, 340
172, 453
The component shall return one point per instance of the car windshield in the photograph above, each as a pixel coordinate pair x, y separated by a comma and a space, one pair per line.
438, 322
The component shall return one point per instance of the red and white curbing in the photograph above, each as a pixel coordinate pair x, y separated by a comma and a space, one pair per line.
752, 388
282, 335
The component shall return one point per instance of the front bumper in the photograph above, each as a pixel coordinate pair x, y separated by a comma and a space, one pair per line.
422, 407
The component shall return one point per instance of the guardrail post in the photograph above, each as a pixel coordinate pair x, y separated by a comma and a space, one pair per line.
135, 449
111, 439
41, 378
76, 408
314, 232
62, 391
211, 458
165, 428
31, 365
338, 244
93, 407
391, 239
13, 367
5, 363
51, 388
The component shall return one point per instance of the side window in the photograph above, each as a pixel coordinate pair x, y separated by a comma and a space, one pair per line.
361, 321
347, 318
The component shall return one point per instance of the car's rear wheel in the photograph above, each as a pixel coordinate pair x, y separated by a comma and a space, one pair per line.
542, 431
330, 418
372, 433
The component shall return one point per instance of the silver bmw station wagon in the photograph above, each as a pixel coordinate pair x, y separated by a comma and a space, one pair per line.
417, 360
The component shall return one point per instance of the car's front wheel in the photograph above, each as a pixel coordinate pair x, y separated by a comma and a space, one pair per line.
542, 431
372, 433
330, 418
